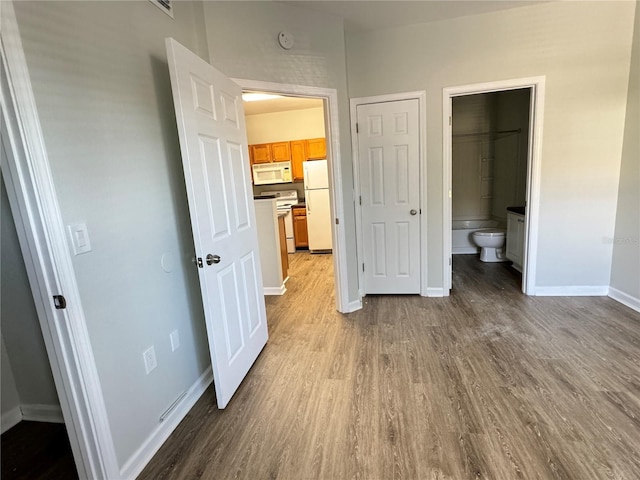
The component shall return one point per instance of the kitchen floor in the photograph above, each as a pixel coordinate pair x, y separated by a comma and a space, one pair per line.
486, 383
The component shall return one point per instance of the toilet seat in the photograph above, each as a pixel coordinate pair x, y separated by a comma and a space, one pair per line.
490, 232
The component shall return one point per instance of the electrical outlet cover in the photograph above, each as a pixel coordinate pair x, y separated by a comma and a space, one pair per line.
150, 362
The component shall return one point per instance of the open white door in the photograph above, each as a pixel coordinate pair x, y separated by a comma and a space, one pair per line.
213, 142
389, 166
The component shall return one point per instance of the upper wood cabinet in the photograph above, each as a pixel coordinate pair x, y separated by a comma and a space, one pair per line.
298, 155
316, 149
296, 151
261, 153
280, 152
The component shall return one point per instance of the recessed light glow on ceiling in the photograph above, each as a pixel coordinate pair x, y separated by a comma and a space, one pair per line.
255, 97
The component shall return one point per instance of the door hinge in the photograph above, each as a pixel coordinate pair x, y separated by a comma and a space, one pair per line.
449, 120
420, 211
59, 302
363, 267
360, 199
449, 261
337, 221
357, 128
199, 262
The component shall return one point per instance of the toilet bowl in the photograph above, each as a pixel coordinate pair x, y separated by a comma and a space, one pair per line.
491, 242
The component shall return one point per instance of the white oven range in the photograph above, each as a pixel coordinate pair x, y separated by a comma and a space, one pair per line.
285, 199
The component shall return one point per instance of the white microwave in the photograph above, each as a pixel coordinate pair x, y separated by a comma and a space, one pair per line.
270, 173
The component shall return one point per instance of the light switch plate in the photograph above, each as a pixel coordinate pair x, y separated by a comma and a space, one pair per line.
79, 238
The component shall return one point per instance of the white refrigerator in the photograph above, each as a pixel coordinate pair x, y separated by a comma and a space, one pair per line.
316, 194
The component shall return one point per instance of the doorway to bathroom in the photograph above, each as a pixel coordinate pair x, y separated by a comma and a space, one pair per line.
491, 145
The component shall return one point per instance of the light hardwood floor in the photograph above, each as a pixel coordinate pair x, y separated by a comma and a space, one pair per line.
486, 383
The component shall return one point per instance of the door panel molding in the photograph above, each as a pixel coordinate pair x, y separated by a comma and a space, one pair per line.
218, 181
421, 96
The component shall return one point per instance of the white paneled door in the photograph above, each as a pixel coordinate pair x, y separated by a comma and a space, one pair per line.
388, 161
213, 143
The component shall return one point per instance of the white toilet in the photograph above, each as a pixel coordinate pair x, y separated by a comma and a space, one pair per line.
491, 241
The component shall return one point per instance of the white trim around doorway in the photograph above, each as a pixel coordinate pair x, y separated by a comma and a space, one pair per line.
421, 96
330, 98
534, 164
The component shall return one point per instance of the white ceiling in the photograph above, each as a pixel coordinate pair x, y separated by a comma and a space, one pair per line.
372, 14
282, 104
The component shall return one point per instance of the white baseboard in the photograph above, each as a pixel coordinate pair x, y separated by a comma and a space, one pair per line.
275, 290
152, 444
573, 291
42, 413
354, 306
11, 418
435, 292
31, 413
625, 299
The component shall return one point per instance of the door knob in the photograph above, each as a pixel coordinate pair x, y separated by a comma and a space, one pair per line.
413, 211
211, 259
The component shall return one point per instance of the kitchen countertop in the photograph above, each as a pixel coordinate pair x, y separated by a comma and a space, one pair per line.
299, 205
518, 210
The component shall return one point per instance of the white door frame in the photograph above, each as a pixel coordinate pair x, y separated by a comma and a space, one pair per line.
421, 96
48, 261
330, 98
534, 164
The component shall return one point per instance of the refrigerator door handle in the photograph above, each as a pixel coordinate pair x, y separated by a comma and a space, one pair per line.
308, 204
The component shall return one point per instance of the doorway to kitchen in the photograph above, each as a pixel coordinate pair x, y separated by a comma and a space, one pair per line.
292, 131
491, 157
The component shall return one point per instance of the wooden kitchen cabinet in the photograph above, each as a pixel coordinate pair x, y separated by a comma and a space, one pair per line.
298, 155
296, 151
261, 153
316, 149
300, 235
280, 152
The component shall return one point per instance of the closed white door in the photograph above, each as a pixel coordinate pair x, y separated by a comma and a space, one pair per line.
388, 162
214, 150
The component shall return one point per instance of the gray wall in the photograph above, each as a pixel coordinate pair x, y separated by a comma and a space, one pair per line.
489, 168
9, 397
21, 331
511, 110
103, 94
625, 271
471, 157
583, 49
243, 44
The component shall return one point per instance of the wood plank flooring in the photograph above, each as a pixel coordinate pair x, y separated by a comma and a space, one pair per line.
484, 384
